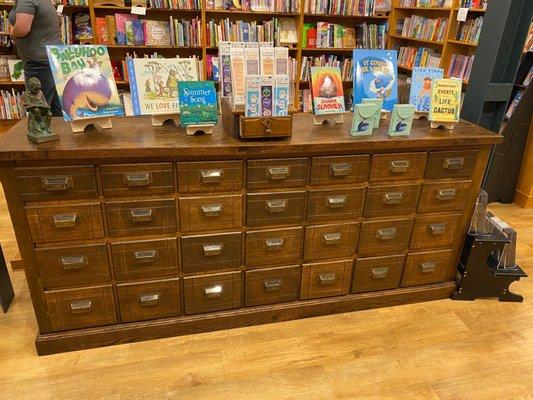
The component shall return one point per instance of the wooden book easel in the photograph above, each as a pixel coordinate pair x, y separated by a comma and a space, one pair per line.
330, 119
206, 129
445, 125
80, 125
160, 119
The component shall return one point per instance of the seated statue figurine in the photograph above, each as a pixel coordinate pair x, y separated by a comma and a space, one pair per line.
39, 114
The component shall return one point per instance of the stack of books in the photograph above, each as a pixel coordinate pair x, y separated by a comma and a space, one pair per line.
242, 31
422, 28
287, 6
344, 63
460, 66
426, 3
73, 2
11, 106
469, 30
474, 4
346, 7
326, 35
410, 57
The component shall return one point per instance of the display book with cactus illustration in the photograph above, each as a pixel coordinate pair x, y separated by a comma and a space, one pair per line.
445, 105
154, 83
327, 91
376, 76
84, 81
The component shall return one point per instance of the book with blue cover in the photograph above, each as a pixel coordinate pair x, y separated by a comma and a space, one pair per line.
420, 93
376, 76
198, 103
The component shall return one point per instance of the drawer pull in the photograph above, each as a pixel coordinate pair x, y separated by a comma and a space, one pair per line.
336, 202
453, 163
272, 285
81, 306
213, 249
145, 257
278, 173
399, 166
380, 273
386, 233
332, 238
211, 175
151, 299
340, 169
65, 220
141, 215
276, 206
392, 198
428, 266
437, 229
274, 244
327, 278
446, 194
213, 291
73, 262
212, 210
134, 179
56, 183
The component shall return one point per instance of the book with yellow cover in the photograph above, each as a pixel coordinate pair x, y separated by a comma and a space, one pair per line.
445, 105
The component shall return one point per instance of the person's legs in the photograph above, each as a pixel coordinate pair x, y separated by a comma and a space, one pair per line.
44, 74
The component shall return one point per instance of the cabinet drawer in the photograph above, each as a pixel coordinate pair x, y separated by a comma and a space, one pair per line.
273, 247
340, 169
391, 200
397, 166
144, 217
275, 208
212, 292
73, 266
209, 176
145, 259
65, 222
429, 267
81, 308
56, 183
440, 197
326, 279
273, 285
384, 237
377, 273
451, 164
335, 204
435, 231
210, 213
330, 241
285, 172
211, 252
149, 300
137, 179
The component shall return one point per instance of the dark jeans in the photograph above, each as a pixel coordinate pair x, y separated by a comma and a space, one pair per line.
44, 74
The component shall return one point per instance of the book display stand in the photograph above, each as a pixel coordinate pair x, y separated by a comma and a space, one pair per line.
421, 115
160, 119
80, 125
330, 119
206, 129
445, 125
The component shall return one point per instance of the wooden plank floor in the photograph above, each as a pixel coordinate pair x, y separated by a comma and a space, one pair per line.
442, 350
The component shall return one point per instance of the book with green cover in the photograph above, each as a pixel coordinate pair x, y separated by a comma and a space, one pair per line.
401, 119
363, 119
379, 103
305, 28
198, 103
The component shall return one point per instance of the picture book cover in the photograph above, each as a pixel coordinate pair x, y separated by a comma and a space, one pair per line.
198, 103
420, 93
129, 33
363, 119
84, 81
253, 95
120, 21
376, 75
401, 120
156, 33
154, 83
102, 32
16, 70
327, 91
445, 103
379, 103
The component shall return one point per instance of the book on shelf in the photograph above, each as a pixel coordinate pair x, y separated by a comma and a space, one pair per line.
328, 35
426, 3
514, 103
198, 103
288, 34
411, 57
376, 75
16, 70
157, 33
529, 77
281, 6
5, 75
421, 82
343, 63
73, 2
348, 7
422, 28
474, 3
242, 31
175, 4
11, 106
327, 91
460, 66
469, 30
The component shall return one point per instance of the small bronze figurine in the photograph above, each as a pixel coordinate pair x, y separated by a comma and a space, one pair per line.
39, 114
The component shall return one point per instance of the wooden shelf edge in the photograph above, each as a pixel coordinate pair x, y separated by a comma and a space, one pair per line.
425, 8
138, 331
399, 37
455, 41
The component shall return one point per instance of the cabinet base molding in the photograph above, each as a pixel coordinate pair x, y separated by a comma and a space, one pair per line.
156, 329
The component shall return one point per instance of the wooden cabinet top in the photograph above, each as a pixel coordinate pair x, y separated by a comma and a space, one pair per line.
135, 137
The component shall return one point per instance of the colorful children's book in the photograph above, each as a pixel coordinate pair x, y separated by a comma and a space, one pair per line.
445, 103
420, 94
281, 96
238, 70
156, 33
379, 104
138, 32
327, 91
198, 103
253, 95
16, 70
102, 32
267, 95
130, 41
401, 120
225, 67
120, 21
154, 83
363, 119
84, 81
376, 75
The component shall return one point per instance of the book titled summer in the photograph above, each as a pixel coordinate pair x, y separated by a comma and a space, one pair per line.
84, 81
327, 91
198, 103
